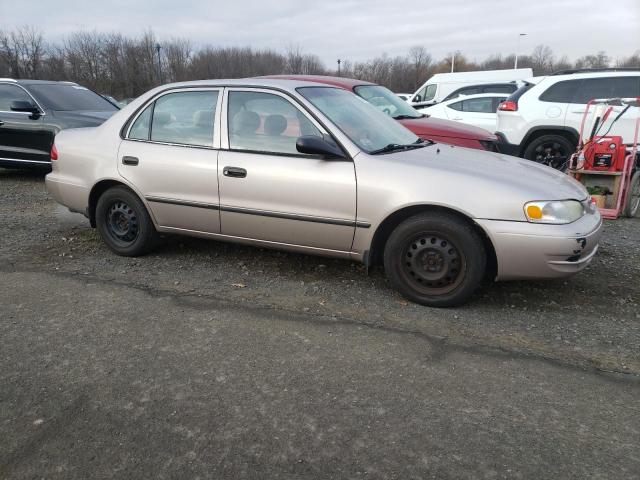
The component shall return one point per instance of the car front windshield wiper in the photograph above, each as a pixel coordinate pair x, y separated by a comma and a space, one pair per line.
393, 147
408, 117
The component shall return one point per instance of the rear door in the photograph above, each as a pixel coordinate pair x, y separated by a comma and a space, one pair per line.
22, 135
268, 190
170, 155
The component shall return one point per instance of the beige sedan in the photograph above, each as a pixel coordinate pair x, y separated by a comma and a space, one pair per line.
315, 169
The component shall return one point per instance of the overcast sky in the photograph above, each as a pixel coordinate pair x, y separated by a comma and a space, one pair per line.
352, 29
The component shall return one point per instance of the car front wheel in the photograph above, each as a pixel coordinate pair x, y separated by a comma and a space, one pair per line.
435, 259
124, 223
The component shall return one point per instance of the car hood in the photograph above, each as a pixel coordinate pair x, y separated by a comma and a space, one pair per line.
426, 126
82, 118
483, 184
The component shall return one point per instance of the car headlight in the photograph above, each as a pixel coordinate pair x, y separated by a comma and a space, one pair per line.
555, 211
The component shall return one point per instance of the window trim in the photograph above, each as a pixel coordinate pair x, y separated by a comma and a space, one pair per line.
42, 111
310, 110
225, 144
152, 102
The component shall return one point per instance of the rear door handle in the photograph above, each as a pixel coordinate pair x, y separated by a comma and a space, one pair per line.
234, 172
1, 123
127, 160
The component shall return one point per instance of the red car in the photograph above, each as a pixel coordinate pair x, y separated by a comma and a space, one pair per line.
438, 130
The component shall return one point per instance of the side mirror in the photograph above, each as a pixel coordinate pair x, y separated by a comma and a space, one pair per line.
314, 145
25, 106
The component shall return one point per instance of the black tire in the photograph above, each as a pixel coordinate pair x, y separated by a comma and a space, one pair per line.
632, 201
435, 259
124, 223
551, 150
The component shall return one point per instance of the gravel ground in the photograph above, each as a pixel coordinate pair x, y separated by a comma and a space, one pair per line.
591, 320
212, 360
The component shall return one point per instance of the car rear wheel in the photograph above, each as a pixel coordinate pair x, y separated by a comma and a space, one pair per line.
633, 196
435, 259
124, 223
551, 150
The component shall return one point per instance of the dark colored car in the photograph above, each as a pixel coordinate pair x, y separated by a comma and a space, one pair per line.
33, 111
424, 126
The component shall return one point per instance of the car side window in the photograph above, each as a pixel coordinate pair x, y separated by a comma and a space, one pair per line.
456, 106
184, 118
478, 105
11, 93
626, 87
142, 126
500, 88
561, 92
264, 122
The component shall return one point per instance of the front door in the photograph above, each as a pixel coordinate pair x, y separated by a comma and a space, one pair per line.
269, 191
23, 137
170, 155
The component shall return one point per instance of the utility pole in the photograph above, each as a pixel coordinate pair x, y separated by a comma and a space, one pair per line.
158, 47
339, 62
520, 35
453, 60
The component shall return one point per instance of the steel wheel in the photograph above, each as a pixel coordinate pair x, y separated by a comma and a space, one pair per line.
432, 264
122, 222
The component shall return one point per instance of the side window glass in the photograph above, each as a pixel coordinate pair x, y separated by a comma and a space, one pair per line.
478, 105
500, 89
456, 106
626, 87
263, 122
594, 88
185, 118
561, 92
419, 96
11, 93
141, 127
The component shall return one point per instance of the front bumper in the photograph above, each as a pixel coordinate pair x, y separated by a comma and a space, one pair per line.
532, 251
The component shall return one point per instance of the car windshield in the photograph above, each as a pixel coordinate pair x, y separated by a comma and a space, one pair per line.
387, 101
363, 123
67, 97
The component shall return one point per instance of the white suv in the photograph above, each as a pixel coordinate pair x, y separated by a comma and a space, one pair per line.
541, 120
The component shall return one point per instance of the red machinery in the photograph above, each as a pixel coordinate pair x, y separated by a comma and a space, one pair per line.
608, 168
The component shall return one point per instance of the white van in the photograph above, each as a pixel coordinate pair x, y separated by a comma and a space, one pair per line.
445, 86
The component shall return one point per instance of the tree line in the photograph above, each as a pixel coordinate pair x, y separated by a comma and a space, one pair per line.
122, 66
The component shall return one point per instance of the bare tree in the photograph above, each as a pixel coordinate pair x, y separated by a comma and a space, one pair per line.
542, 59
421, 61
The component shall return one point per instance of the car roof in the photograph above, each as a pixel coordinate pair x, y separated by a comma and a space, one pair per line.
26, 81
257, 82
346, 83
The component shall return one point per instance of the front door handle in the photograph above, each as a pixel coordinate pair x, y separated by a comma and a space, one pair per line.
1, 123
127, 160
234, 172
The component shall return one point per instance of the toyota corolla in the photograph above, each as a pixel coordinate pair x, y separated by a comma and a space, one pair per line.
313, 168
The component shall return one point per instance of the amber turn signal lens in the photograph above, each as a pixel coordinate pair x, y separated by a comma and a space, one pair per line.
534, 212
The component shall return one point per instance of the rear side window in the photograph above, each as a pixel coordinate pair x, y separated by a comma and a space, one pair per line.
561, 92
478, 105
11, 93
184, 118
607, 88
142, 126
515, 96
